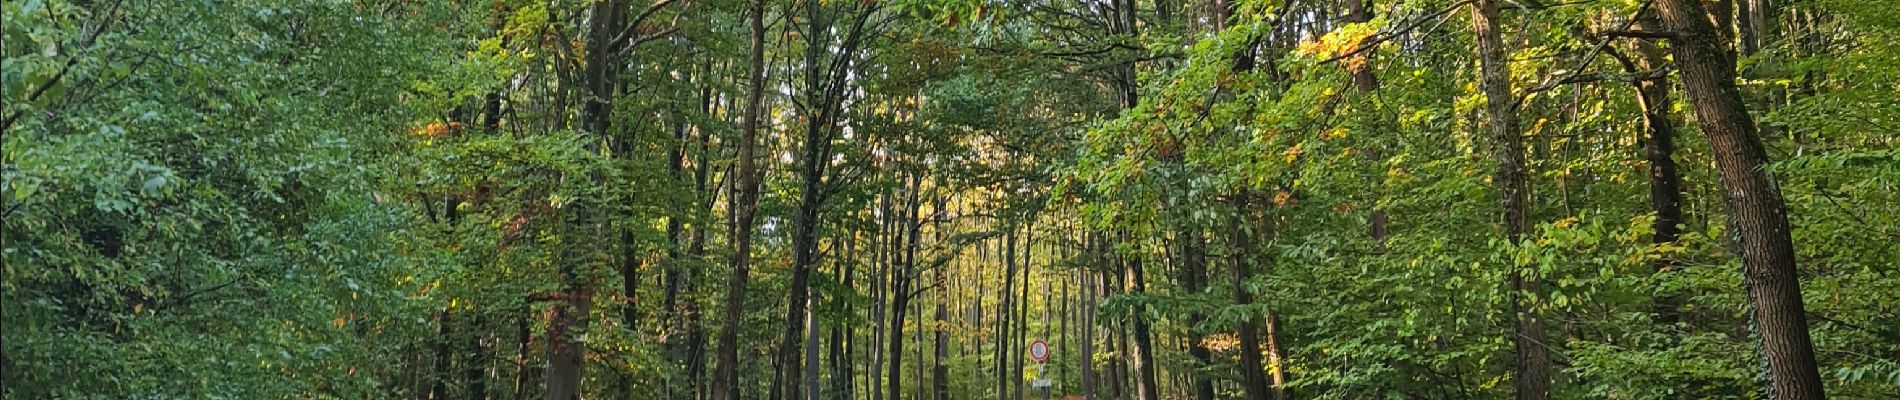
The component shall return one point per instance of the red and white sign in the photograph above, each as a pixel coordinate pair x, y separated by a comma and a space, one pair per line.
1039, 350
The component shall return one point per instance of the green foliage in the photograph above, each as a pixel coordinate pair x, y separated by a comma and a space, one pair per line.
400, 199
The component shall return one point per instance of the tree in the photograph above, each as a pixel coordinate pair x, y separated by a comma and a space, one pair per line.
1760, 222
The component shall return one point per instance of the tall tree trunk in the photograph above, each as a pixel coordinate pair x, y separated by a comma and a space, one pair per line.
1757, 215
1146, 386
475, 363
900, 293
523, 345
1086, 285
1253, 380
566, 356
1659, 147
674, 274
840, 332
880, 282
1533, 363
1021, 331
1116, 335
693, 319
1194, 281
1004, 378
745, 199
938, 371
438, 376
811, 352
1357, 11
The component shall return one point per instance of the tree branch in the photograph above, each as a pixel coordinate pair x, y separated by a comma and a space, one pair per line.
1383, 37
634, 26
112, 13
1639, 34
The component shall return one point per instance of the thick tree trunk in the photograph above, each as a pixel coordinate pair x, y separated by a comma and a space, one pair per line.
746, 191
1757, 215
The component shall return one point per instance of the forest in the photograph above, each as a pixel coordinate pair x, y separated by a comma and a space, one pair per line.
950, 199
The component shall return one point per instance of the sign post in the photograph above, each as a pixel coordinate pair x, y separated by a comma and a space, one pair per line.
1039, 351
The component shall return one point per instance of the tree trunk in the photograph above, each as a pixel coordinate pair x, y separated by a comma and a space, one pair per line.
1086, 359
1021, 331
1253, 380
939, 372
1194, 281
438, 377
567, 356
1365, 81
1659, 147
1146, 386
841, 332
900, 293
880, 284
1759, 222
746, 188
523, 345
1003, 315
1533, 364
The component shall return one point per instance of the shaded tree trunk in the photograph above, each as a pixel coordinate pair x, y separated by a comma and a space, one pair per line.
725, 385
1146, 386
1659, 147
900, 293
1533, 363
1086, 285
1253, 380
1003, 316
1194, 280
1757, 215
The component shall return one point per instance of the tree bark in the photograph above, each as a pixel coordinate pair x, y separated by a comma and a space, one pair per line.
1194, 280
566, 356
901, 292
1659, 147
1086, 285
938, 371
1254, 385
1758, 218
1532, 371
1003, 316
1146, 386
745, 199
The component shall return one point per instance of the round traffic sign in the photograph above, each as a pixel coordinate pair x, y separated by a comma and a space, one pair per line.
1039, 350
